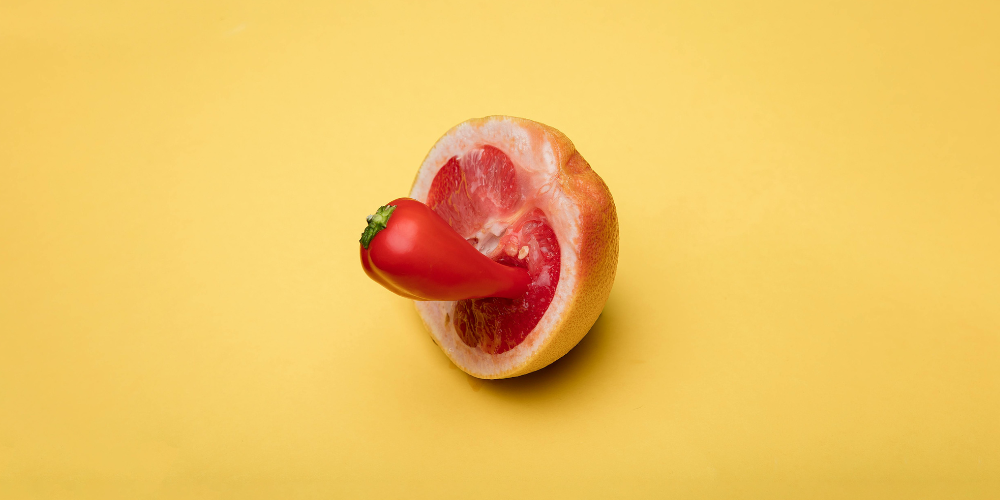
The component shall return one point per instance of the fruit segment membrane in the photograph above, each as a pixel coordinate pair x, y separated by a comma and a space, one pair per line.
480, 197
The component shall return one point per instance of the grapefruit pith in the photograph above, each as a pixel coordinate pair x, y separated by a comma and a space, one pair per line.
522, 195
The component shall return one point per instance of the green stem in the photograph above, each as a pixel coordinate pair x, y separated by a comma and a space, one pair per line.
376, 223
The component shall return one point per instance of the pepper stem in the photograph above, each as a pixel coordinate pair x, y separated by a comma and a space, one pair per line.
376, 223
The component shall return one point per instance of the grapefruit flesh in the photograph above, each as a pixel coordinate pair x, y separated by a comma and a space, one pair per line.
520, 193
470, 192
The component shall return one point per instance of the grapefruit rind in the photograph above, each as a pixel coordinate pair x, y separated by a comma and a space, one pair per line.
582, 214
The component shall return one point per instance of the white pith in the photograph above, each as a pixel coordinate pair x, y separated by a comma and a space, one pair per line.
538, 170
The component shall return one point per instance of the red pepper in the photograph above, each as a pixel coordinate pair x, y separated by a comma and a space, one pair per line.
412, 251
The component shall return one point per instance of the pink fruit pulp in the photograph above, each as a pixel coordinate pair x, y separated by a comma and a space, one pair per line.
470, 191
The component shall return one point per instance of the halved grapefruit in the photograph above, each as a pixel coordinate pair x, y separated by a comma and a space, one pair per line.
522, 195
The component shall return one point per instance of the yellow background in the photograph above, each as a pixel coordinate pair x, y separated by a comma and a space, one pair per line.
807, 302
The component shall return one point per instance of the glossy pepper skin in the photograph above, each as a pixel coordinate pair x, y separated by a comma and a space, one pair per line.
412, 251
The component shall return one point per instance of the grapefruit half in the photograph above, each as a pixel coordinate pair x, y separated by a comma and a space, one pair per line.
522, 195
